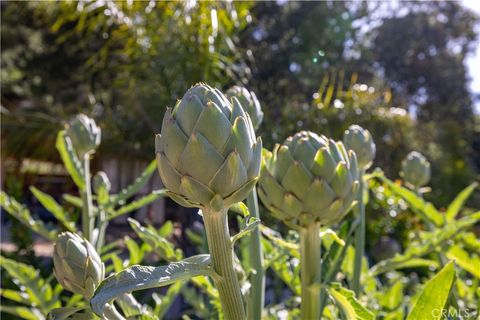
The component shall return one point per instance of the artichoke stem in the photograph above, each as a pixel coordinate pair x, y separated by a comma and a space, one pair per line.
310, 255
221, 253
87, 212
359, 237
257, 296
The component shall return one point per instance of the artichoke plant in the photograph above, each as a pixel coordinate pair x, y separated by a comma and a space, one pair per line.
77, 266
415, 170
208, 157
360, 140
249, 102
308, 179
84, 133
85, 136
306, 182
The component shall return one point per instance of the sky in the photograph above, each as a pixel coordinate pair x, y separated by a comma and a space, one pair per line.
473, 62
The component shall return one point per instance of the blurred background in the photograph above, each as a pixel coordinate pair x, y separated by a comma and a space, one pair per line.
409, 72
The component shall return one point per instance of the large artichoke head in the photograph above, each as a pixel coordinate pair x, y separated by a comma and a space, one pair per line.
207, 153
84, 133
77, 266
361, 142
309, 179
249, 102
415, 170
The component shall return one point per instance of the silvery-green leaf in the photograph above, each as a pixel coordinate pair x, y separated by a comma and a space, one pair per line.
146, 277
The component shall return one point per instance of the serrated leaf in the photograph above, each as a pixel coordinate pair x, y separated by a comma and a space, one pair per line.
468, 262
252, 223
350, 306
160, 245
70, 160
22, 214
435, 294
132, 189
454, 207
137, 204
400, 263
54, 208
145, 277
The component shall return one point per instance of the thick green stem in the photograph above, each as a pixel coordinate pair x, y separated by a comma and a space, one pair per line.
221, 253
359, 238
310, 255
257, 291
87, 208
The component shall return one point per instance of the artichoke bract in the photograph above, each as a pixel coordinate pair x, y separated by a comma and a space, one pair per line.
84, 133
249, 102
415, 169
308, 179
361, 142
207, 153
77, 266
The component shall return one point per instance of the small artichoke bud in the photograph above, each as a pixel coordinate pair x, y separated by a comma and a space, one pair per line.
207, 153
361, 142
84, 133
101, 186
308, 179
415, 170
249, 103
77, 266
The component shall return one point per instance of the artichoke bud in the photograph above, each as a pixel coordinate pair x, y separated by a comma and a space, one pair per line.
101, 186
307, 179
361, 142
207, 152
84, 133
415, 170
77, 266
249, 103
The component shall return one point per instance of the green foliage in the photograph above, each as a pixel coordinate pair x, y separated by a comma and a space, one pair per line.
151, 277
435, 294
